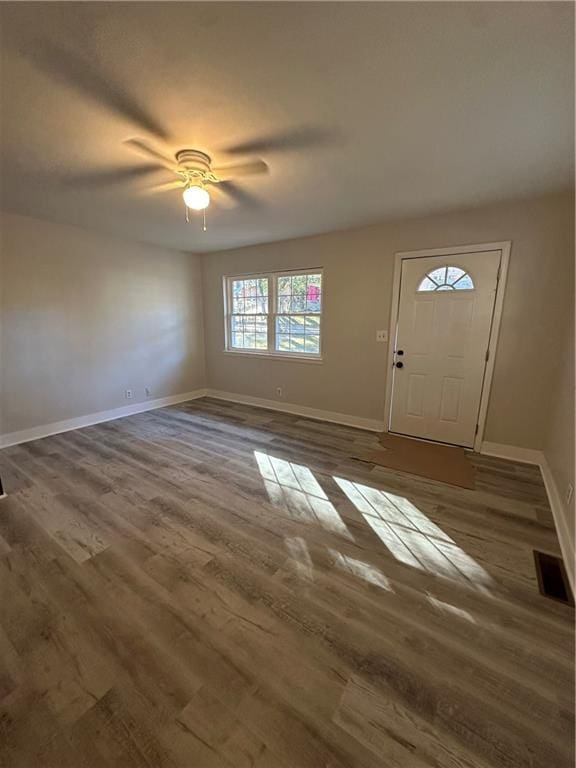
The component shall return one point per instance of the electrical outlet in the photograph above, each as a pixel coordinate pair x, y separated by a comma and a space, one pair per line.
381, 335
128, 394
279, 392
569, 492
148, 391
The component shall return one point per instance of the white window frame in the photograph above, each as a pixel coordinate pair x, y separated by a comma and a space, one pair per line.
311, 357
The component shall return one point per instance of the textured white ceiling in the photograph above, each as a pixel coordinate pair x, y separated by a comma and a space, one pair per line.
385, 110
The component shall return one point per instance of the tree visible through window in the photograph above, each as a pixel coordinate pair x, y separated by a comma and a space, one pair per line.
299, 299
278, 313
249, 317
447, 279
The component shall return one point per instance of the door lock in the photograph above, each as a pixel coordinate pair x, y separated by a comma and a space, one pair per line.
400, 364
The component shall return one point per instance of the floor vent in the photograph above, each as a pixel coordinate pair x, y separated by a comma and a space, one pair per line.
552, 578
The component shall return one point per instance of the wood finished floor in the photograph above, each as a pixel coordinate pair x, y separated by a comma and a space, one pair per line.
215, 585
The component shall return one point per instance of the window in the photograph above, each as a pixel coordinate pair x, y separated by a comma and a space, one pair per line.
278, 313
249, 313
447, 279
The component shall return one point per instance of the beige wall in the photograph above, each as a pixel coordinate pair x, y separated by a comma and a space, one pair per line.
84, 317
559, 435
358, 267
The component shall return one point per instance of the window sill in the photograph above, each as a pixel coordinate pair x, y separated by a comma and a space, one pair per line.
315, 360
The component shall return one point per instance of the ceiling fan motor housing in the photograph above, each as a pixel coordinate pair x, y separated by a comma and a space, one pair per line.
193, 160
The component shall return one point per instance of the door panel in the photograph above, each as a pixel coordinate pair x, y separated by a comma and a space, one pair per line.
443, 333
416, 389
450, 399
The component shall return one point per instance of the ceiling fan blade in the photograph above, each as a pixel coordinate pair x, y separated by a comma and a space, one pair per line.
144, 149
82, 76
239, 195
304, 137
220, 197
167, 186
109, 176
225, 172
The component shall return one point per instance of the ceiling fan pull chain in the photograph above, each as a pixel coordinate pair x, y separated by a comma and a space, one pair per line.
204, 227
187, 217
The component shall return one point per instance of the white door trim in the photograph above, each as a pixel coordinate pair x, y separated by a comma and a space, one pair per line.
504, 247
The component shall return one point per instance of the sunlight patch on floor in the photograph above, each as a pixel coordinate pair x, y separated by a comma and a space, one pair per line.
362, 570
411, 536
450, 609
294, 487
300, 557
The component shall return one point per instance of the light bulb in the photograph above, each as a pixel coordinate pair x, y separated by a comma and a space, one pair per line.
196, 197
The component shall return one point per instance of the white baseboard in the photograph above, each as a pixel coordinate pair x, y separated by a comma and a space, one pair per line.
35, 433
374, 425
560, 521
526, 455
512, 452
533, 456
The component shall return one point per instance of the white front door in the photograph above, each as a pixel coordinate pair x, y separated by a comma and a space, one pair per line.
442, 336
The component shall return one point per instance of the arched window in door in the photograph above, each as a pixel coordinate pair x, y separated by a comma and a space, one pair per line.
447, 279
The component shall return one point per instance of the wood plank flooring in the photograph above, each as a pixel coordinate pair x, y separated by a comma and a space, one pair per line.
214, 585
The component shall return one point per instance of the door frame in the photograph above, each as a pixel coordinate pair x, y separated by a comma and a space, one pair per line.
504, 247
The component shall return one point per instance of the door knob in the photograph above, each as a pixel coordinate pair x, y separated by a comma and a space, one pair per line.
400, 365
399, 351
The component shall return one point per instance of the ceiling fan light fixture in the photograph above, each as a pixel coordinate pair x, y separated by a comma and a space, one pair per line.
196, 197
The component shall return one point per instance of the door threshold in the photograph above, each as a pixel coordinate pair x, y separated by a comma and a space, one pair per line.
429, 440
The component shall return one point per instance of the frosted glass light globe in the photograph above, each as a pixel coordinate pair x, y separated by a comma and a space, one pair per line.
196, 198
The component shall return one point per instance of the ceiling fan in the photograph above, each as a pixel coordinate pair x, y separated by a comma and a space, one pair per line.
195, 175
192, 168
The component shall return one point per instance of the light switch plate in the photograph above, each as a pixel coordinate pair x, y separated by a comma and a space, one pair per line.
381, 335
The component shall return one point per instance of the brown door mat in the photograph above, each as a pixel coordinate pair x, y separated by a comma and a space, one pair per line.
445, 463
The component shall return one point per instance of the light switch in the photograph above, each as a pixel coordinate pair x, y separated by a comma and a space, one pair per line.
381, 335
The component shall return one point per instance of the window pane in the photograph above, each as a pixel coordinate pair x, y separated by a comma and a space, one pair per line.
312, 344
298, 285
297, 323
298, 303
438, 275
464, 284
249, 332
447, 279
284, 303
313, 293
297, 343
282, 343
299, 293
284, 286
427, 285
299, 334
250, 296
453, 274
261, 324
250, 305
